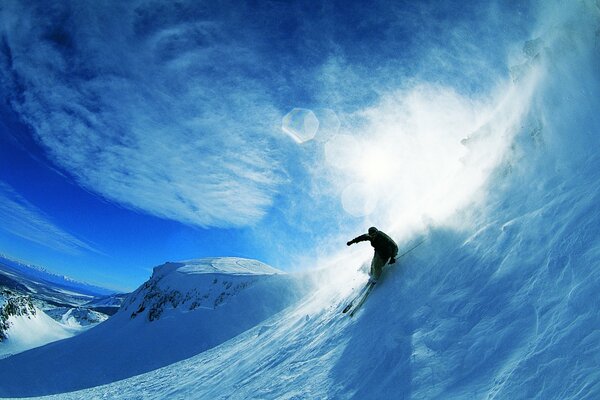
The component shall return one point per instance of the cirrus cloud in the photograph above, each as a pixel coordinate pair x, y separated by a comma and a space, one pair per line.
146, 106
21, 218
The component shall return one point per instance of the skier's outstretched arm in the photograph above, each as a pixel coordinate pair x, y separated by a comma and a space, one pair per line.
360, 238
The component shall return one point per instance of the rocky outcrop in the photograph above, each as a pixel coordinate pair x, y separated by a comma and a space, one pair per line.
152, 299
13, 304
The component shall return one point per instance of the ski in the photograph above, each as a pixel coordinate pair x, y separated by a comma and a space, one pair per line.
370, 287
361, 299
349, 306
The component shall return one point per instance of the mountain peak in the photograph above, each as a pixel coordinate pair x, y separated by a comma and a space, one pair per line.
216, 265
197, 283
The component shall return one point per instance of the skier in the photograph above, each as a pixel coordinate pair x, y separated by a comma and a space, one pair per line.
386, 251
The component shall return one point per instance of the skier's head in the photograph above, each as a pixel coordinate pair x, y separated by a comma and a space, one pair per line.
372, 230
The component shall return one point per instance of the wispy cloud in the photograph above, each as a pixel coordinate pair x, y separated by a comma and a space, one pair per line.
23, 219
158, 108
175, 109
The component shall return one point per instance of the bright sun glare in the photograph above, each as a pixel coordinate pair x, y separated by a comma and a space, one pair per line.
376, 165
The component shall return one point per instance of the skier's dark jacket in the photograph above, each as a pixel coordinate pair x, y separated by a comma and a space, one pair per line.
382, 243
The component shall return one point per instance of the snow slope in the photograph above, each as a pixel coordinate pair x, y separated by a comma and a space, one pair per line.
60, 306
37, 329
184, 309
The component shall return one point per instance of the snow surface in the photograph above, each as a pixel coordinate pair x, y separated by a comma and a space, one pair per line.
220, 265
184, 309
29, 331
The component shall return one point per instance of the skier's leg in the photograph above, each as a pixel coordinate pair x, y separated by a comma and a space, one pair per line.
377, 265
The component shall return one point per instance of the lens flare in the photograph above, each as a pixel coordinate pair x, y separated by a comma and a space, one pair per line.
300, 124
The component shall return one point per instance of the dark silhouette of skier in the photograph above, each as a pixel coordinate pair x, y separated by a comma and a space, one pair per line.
386, 251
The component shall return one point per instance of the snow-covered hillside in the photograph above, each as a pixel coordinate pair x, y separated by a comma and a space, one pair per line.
24, 326
13, 305
58, 307
185, 308
76, 317
205, 283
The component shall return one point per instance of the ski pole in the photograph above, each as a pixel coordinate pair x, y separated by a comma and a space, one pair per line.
411, 249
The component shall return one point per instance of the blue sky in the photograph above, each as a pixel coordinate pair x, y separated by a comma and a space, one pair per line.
134, 133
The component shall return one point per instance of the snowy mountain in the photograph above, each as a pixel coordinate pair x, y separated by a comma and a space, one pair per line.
12, 305
39, 307
108, 305
24, 326
212, 282
185, 308
77, 317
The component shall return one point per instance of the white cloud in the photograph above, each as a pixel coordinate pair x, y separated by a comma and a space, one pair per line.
156, 113
21, 218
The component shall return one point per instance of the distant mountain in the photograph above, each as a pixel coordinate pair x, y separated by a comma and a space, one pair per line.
38, 307
184, 309
39, 276
108, 305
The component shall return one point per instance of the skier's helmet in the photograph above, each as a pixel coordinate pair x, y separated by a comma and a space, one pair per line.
372, 230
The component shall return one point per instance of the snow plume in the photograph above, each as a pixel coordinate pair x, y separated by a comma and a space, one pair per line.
144, 116
423, 153
564, 122
429, 155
